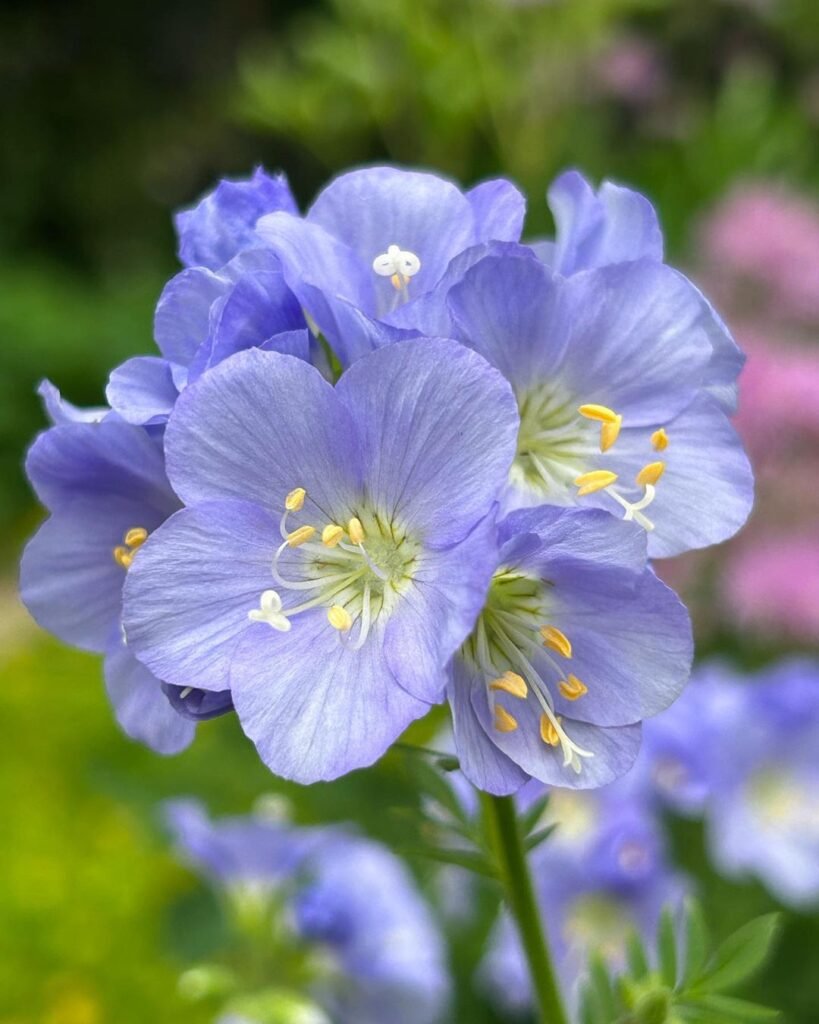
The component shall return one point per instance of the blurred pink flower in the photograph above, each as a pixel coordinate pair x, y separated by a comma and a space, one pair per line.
631, 69
766, 235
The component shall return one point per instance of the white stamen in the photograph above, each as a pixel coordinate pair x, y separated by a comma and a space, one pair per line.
396, 261
270, 611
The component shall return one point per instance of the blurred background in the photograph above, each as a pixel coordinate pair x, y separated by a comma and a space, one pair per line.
111, 118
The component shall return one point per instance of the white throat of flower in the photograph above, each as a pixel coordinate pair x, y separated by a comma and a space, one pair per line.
512, 626
356, 575
399, 265
555, 445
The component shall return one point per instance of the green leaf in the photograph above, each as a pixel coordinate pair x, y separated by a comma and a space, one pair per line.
604, 998
530, 819
696, 942
667, 945
467, 859
740, 955
734, 1011
536, 838
636, 956
439, 790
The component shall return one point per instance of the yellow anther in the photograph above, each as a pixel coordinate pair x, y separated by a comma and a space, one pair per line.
596, 480
557, 640
123, 557
294, 501
609, 432
331, 535
650, 474
572, 688
355, 530
602, 413
659, 440
339, 618
548, 732
398, 281
511, 683
504, 722
300, 536
135, 536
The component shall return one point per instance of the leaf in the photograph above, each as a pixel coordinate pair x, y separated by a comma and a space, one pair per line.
740, 955
667, 948
536, 838
604, 997
439, 790
636, 956
736, 1011
696, 942
531, 817
467, 859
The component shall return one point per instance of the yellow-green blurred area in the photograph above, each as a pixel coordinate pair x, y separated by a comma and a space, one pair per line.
112, 116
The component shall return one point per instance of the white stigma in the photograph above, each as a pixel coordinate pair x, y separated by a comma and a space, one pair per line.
397, 261
270, 611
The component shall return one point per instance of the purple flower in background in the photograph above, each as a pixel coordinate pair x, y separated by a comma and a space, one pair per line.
345, 897
762, 813
601, 875
106, 489
678, 762
377, 239
618, 393
336, 545
578, 642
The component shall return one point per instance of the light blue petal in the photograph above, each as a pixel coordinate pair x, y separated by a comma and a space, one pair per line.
142, 390
437, 429
140, 706
182, 317
499, 210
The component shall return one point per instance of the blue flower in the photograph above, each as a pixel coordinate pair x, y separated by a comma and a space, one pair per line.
578, 641
105, 486
602, 873
345, 897
614, 373
335, 548
378, 239
761, 813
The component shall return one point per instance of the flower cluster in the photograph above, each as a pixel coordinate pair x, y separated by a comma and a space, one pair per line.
391, 454
338, 916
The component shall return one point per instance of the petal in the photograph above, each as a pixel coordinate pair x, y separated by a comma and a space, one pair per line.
631, 643
499, 209
182, 314
437, 612
142, 390
616, 225
634, 340
706, 491
188, 594
482, 762
69, 580
222, 223
104, 459
259, 306
290, 343
615, 750
59, 411
727, 358
315, 709
259, 425
438, 429
140, 706
198, 705
374, 208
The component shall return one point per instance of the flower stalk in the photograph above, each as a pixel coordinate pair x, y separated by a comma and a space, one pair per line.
507, 841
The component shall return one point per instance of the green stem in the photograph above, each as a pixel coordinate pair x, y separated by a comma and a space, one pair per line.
501, 815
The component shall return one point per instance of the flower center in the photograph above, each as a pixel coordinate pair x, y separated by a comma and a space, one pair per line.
598, 922
512, 631
357, 571
399, 265
558, 442
782, 803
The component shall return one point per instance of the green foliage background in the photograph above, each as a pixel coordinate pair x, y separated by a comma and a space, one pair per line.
111, 116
